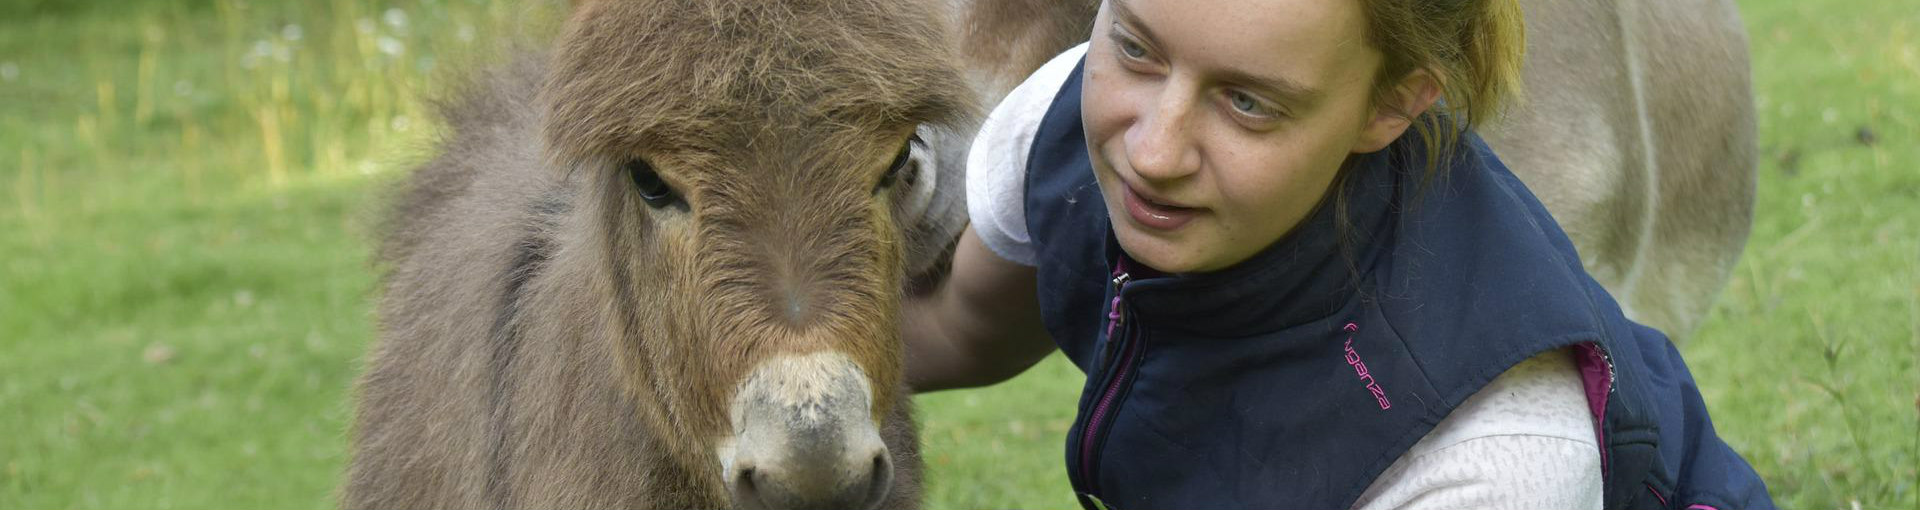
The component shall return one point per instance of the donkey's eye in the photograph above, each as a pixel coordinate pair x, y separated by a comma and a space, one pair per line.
899, 163
652, 189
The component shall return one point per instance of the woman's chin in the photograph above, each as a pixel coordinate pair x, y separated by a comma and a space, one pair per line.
1159, 252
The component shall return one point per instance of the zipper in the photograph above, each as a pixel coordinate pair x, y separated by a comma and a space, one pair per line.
1595, 350
1608, 357
1114, 317
1089, 434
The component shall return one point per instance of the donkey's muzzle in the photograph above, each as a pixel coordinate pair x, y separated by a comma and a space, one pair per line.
804, 437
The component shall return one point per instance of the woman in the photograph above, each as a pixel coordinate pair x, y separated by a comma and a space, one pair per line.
1296, 279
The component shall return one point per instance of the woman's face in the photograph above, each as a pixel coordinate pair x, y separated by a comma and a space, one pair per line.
1215, 126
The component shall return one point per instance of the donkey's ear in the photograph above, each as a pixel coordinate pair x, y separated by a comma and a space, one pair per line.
934, 210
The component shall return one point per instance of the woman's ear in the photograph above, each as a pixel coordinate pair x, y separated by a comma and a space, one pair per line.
1395, 112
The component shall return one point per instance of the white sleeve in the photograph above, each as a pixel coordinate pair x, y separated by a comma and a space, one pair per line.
997, 160
1524, 441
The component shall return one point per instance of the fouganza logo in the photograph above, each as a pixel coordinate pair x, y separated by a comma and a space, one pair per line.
1360, 369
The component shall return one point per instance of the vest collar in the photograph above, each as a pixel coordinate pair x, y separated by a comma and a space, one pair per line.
1303, 277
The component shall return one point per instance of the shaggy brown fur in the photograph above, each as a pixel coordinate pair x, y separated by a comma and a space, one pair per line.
548, 340
1003, 41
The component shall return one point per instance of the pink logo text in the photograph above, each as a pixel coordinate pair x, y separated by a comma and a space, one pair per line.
1360, 369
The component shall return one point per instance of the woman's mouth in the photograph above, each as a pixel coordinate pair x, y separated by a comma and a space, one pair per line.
1155, 215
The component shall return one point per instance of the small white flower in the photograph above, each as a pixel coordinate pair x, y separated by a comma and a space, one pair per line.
395, 18
401, 123
464, 33
390, 46
292, 32
9, 71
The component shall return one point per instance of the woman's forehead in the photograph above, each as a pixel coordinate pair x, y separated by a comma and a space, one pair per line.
1312, 44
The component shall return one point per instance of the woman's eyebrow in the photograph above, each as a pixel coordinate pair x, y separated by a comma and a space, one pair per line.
1132, 21
1289, 91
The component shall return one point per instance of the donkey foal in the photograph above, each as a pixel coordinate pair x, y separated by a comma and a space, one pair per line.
660, 265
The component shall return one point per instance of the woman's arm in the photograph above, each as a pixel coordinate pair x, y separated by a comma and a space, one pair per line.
979, 327
982, 325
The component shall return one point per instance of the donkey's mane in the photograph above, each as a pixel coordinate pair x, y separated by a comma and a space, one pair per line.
697, 74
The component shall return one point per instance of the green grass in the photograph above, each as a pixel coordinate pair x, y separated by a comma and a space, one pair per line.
1808, 363
185, 292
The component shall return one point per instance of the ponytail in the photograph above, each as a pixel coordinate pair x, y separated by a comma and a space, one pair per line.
1493, 49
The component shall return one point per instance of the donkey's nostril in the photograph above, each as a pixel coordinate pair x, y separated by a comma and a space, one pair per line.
745, 489
745, 479
879, 480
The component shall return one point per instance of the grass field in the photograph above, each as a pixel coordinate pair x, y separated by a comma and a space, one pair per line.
185, 189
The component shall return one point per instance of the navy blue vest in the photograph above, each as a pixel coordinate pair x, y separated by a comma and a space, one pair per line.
1293, 379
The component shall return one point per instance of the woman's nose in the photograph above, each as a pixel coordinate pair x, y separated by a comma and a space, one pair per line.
1160, 144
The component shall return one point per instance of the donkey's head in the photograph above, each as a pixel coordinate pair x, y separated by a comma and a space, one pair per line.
751, 172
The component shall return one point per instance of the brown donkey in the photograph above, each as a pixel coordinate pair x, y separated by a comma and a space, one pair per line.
660, 265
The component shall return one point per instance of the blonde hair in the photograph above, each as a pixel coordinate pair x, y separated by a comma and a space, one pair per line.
1473, 49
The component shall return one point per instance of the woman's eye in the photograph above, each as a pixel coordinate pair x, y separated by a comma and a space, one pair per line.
899, 163
1248, 105
653, 190
1132, 49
